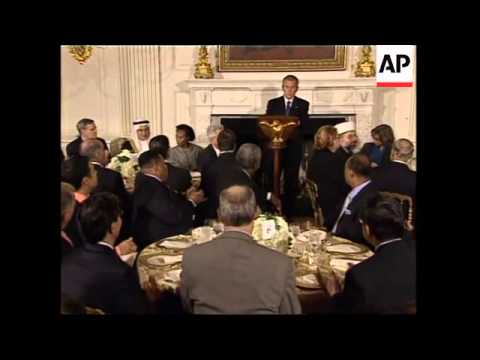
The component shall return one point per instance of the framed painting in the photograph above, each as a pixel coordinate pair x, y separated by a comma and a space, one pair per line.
281, 58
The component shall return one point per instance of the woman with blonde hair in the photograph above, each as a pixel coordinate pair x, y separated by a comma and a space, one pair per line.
324, 168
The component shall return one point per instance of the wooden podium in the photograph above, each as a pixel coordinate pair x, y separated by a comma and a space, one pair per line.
278, 129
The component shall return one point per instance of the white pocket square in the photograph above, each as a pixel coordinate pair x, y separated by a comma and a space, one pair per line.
348, 212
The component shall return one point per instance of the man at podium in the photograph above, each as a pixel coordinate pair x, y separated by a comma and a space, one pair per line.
287, 105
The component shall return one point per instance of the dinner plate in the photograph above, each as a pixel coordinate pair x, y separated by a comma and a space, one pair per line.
163, 260
173, 244
346, 249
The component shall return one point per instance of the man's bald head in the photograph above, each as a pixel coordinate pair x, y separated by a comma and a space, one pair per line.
94, 150
237, 206
402, 150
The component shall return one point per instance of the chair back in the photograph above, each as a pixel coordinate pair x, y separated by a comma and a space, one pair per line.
312, 194
404, 199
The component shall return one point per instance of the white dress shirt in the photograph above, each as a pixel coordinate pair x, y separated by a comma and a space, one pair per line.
105, 244
217, 151
351, 195
291, 103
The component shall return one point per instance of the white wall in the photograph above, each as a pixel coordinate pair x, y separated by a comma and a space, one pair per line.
118, 84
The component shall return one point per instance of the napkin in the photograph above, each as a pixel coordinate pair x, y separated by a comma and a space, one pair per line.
171, 244
309, 279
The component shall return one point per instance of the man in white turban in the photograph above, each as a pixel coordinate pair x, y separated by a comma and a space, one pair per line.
348, 140
347, 137
141, 134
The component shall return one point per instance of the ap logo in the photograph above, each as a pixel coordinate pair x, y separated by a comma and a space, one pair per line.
395, 65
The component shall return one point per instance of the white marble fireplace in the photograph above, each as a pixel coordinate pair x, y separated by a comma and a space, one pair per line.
331, 97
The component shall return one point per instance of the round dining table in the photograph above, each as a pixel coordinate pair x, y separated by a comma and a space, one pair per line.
162, 260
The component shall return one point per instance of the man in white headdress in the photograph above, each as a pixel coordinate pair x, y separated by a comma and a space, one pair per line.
348, 140
141, 134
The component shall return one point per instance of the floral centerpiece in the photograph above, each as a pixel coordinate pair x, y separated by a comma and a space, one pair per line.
272, 231
125, 163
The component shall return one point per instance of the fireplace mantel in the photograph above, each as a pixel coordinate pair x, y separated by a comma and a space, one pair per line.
274, 84
221, 96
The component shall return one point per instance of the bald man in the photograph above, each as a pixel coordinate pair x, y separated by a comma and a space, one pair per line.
233, 274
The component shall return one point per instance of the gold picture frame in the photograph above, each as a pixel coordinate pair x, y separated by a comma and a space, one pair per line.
256, 58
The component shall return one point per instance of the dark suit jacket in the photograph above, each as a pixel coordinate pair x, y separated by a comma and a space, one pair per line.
239, 177
206, 157
65, 247
395, 177
342, 157
326, 171
179, 179
367, 150
95, 276
158, 212
233, 274
111, 181
299, 108
225, 164
398, 178
73, 148
73, 228
349, 226
384, 283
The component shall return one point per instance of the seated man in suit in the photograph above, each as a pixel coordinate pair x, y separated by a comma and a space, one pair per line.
386, 282
179, 180
225, 164
396, 176
94, 274
109, 180
249, 157
233, 274
158, 212
82, 175
208, 155
86, 130
288, 105
357, 176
